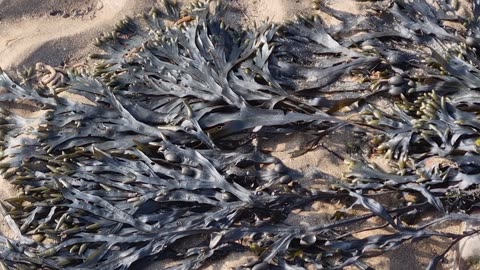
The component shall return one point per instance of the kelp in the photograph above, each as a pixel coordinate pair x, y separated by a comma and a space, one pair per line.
160, 157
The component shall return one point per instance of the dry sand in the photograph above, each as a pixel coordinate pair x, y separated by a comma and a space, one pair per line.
61, 33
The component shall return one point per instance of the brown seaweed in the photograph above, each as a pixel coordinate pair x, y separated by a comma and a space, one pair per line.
163, 151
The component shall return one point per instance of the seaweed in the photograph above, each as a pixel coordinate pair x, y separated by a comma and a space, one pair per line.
163, 148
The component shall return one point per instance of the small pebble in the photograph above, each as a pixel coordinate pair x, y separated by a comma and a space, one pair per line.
397, 59
285, 179
280, 168
172, 157
471, 42
396, 80
308, 240
395, 91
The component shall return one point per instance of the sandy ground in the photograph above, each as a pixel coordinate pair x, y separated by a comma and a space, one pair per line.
61, 33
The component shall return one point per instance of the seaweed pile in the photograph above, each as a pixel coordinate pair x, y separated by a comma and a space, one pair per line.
160, 158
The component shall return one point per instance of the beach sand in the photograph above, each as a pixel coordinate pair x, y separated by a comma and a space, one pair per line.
61, 33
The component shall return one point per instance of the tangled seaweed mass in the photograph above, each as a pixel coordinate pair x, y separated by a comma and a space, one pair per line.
160, 156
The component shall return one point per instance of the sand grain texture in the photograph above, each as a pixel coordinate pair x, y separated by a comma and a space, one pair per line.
57, 32
6, 191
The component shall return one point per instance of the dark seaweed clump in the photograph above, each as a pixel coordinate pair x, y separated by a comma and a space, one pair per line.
160, 156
